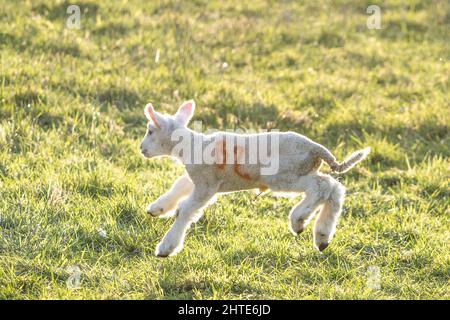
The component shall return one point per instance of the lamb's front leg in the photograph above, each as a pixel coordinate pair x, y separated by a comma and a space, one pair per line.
189, 211
182, 187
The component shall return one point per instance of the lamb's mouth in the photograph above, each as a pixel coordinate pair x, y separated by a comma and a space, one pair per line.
145, 153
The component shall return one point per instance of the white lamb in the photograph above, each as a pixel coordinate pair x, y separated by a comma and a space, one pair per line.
297, 160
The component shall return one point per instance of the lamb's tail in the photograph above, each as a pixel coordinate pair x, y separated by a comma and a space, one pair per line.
347, 164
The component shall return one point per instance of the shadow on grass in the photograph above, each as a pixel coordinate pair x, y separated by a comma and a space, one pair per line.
113, 29
185, 289
9, 40
50, 47
59, 11
28, 97
32, 104
427, 130
122, 98
59, 48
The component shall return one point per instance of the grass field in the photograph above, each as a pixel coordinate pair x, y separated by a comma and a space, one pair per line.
73, 186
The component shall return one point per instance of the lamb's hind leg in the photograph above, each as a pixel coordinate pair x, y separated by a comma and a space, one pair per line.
325, 225
303, 212
182, 187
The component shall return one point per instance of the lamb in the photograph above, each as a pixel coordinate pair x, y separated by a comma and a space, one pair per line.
226, 162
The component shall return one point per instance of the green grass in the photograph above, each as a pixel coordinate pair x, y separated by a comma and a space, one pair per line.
71, 121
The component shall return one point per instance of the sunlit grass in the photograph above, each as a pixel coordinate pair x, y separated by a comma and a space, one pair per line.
71, 121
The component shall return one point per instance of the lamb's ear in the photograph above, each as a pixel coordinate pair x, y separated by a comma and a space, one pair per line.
153, 116
185, 112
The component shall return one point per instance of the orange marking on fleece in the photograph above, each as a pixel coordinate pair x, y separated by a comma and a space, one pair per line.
221, 150
236, 167
221, 154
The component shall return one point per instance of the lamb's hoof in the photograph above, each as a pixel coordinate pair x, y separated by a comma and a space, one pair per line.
164, 250
155, 214
155, 211
296, 232
323, 246
161, 255
298, 228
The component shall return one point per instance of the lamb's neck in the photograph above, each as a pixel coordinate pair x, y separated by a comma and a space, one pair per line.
186, 139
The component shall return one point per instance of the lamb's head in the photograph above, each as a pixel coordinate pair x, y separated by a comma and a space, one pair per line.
158, 138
